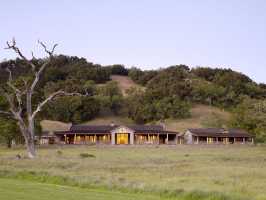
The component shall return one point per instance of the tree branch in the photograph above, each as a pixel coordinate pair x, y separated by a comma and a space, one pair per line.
33, 57
5, 112
10, 79
12, 106
49, 52
17, 92
51, 97
13, 46
37, 74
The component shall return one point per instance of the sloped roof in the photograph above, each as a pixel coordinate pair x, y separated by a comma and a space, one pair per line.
109, 128
146, 128
238, 133
92, 128
219, 132
207, 131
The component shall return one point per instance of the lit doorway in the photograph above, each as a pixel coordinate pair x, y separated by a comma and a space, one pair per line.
122, 138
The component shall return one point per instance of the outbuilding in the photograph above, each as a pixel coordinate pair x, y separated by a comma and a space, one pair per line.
217, 136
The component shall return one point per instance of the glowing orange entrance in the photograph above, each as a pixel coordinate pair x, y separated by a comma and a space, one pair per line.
122, 138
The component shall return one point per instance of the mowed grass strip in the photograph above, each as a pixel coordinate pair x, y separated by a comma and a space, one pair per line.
11, 189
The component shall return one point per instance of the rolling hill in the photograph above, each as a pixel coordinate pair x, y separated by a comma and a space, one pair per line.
200, 114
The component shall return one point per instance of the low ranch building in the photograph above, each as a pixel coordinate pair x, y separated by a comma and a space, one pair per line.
117, 135
217, 136
143, 134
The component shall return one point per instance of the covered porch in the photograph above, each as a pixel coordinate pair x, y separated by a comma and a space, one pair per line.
156, 138
86, 138
221, 140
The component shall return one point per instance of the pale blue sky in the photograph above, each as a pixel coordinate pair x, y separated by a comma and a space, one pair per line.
144, 33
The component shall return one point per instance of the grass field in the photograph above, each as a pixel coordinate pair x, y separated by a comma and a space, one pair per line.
11, 189
210, 172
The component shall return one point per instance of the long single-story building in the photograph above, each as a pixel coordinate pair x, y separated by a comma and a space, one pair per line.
217, 136
117, 135
144, 134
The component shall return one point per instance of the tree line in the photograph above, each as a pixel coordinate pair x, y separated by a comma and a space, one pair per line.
168, 93
223, 88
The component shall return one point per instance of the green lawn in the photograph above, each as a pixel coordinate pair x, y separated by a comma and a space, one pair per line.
25, 190
234, 171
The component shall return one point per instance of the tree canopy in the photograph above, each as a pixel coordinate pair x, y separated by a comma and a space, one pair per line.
169, 92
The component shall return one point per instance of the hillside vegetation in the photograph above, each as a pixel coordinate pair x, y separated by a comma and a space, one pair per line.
171, 94
125, 83
201, 116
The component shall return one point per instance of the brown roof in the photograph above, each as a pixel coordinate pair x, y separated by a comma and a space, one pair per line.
238, 133
92, 129
219, 132
148, 129
107, 129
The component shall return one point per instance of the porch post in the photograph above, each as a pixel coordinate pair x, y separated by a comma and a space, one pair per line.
75, 137
113, 138
244, 140
234, 140
65, 139
166, 139
217, 140
252, 140
158, 138
197, 140
131, 138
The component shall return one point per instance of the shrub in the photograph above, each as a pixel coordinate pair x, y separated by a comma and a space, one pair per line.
86, 155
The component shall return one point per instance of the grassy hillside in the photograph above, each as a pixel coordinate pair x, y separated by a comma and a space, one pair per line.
125, 83
49, 125
109, 119
200, 114
196, 172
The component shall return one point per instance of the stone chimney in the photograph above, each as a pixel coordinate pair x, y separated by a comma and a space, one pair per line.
162, 123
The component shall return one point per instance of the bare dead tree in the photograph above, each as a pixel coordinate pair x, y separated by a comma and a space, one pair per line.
15, 96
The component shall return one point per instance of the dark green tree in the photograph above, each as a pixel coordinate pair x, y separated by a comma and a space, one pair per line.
9, 131
251, 116
110, 97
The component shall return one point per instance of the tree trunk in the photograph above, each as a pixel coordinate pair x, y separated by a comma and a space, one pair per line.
31, 142
28, 135
31, 149
9, 143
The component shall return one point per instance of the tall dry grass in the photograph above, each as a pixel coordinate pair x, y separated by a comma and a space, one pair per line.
234, 171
